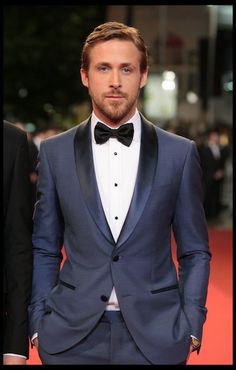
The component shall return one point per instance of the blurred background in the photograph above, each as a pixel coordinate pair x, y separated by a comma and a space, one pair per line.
189, 89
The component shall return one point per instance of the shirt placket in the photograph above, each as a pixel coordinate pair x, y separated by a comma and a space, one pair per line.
115, 186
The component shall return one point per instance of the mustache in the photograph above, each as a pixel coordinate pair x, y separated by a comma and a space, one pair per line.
115, 93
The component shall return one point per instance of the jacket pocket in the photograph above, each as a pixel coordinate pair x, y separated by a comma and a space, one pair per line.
67, 285
170, 287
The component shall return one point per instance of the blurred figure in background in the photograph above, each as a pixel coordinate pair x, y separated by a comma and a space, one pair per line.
213, 158
17, 253
38, 137
33, 155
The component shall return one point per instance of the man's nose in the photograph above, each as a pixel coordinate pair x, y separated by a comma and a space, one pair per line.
115, 81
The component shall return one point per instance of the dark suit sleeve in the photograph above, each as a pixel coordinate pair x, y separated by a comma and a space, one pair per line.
47, 240
190, 230
18, 251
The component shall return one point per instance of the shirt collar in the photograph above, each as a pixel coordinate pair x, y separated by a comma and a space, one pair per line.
135, 119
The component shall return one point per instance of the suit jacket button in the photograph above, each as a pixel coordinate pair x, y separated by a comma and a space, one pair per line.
116, 258
104, 298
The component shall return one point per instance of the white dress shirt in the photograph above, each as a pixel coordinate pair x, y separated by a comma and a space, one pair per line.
116, 168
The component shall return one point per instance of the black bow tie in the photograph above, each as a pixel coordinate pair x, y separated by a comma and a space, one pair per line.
124, 133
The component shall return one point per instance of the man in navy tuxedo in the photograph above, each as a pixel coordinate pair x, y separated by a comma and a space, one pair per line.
111, 190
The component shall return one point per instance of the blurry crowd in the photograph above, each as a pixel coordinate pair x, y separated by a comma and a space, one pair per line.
213, 157
214, 147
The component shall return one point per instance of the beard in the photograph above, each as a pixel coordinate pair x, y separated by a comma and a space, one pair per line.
112, 110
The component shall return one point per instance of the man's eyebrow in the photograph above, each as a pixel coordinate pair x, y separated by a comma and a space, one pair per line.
127, 64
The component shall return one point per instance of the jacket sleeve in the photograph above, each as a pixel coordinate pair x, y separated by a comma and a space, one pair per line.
18, 251
191, 235
47, 240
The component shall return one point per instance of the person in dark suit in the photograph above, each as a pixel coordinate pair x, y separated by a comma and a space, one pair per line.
110, 190
17, 258
33, 155
213, 158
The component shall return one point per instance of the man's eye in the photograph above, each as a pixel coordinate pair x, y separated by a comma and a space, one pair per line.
103, 68
126, 70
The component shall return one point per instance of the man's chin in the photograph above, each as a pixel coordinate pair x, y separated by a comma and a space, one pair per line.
116, 115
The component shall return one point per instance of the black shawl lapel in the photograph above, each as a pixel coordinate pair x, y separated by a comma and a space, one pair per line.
144, 181
87, 178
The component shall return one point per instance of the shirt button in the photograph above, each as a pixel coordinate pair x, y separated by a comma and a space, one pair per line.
116, 218
115, 153
116, 258
115, 184
104, 298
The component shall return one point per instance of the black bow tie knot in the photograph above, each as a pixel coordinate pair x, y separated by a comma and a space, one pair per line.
123, 134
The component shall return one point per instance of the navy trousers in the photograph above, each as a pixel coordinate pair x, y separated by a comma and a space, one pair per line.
109, 343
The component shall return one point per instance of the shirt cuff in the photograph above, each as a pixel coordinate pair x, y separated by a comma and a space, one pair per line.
15, 355
195, 347
192, 336
33, 337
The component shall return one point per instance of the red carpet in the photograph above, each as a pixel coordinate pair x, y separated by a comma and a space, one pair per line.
217, 344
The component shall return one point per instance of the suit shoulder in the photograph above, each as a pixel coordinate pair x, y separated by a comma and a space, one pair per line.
172, 138
13, 133
61, 138
66, 137
167, 137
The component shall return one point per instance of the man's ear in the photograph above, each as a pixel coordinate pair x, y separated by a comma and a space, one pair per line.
143, 80
84, 77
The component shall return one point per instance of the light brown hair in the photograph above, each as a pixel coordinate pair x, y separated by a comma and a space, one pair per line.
114, 30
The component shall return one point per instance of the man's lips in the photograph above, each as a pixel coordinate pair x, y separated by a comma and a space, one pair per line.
114, 97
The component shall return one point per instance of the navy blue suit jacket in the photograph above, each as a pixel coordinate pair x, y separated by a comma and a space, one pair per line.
161, 306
